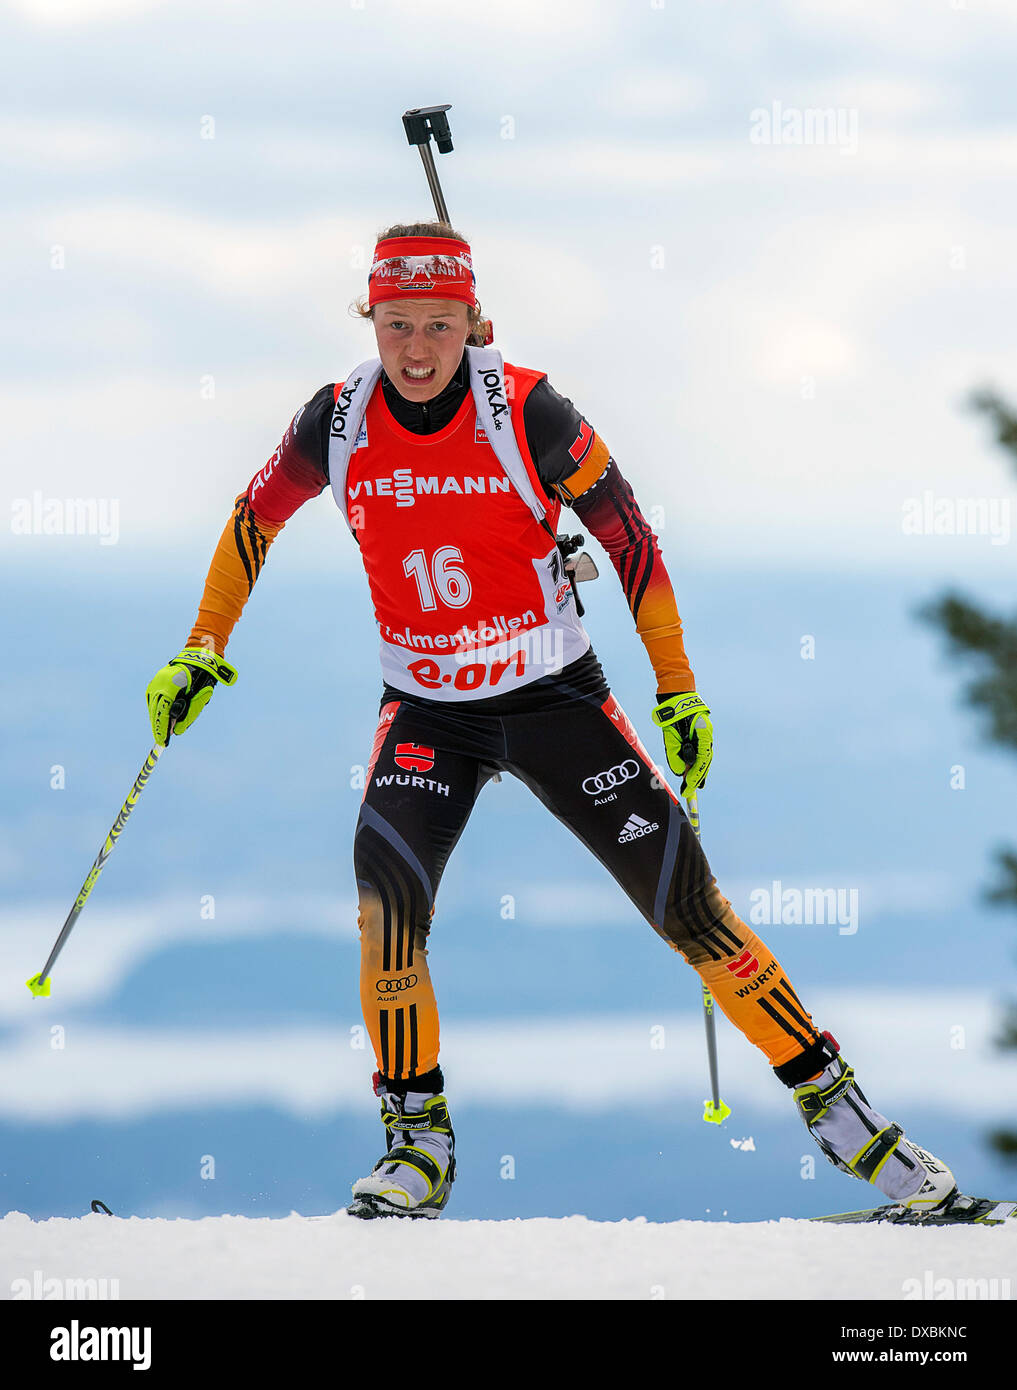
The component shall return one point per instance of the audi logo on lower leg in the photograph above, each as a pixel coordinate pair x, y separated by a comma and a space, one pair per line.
394, 986
613, 777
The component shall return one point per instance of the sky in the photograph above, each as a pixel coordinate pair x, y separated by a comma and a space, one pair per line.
768, 251
741, 300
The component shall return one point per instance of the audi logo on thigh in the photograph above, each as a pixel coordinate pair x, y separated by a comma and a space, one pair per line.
394, 986
613, 777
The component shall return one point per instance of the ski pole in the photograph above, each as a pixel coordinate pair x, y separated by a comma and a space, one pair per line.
39, 984
715, 1112
420, 124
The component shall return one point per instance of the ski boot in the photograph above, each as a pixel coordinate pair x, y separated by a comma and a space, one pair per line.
415, 1176
861, 1141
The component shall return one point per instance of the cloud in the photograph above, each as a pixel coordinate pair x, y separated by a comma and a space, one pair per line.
889, 97
520, 21
911, 1063
79, 12
512, 22
230, 258
801, 347
909, 27
652, 93
897, 893
122, 936
797, 351
64, 146
199, 454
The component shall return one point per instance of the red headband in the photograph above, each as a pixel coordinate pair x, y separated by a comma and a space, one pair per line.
411, 267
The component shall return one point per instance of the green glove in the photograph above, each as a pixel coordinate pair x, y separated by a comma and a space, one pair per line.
181, 689
688, 744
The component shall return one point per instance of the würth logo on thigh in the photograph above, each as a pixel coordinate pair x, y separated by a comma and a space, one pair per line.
635, 827
414, 757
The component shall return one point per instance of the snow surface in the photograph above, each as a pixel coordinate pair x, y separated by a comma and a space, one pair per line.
339, 1257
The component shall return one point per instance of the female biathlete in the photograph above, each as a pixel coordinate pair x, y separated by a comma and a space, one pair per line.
450, 468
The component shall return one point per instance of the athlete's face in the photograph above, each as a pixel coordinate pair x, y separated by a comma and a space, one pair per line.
420, 343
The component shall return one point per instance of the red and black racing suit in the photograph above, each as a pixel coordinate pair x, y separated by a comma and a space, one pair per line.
562, 734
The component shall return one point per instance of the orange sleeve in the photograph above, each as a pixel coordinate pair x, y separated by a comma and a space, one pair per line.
235, 566
664, 642
608, 509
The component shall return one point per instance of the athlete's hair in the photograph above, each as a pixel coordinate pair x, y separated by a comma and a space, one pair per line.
478, 324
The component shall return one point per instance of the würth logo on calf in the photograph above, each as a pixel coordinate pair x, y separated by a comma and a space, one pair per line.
744, 966
414, 757
746, 990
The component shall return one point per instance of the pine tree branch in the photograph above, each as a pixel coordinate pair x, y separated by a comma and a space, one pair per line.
1003, 418
1007, 1039
1004, 892
991, 643
1004, 1141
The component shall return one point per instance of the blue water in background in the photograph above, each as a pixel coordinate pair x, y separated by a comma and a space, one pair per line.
832, 771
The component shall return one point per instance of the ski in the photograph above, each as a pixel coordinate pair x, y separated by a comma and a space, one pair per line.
370, 1208
959, 1211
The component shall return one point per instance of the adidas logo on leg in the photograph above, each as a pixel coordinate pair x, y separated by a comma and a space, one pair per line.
635, 827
